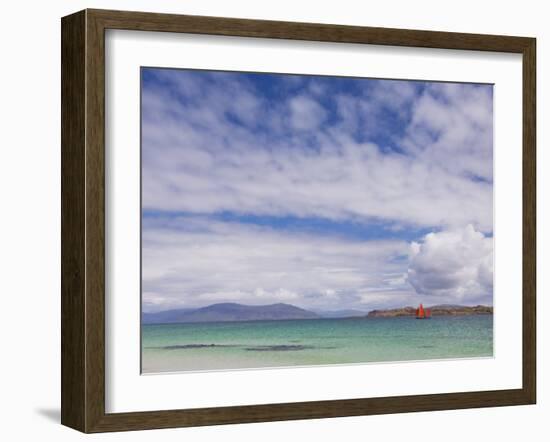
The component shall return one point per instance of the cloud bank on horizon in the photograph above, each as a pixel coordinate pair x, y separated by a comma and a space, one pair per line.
323, 192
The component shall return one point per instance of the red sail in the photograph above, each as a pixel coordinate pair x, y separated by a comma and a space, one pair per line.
428, 313
420, 313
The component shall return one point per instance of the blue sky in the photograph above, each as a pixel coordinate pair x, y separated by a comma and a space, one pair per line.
323, 192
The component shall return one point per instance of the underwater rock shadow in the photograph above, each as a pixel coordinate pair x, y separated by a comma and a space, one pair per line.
260, 348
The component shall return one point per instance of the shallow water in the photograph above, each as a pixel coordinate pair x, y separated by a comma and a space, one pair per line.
238, 345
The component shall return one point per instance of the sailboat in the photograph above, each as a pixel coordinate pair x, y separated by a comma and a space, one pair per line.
423, 313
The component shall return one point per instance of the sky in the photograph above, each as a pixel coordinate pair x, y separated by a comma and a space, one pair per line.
323, 192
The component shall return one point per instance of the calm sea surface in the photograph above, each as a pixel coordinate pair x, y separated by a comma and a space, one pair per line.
235, 345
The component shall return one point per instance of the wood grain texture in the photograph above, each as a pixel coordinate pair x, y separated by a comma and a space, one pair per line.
95, 222
83, 220
144, 21
73, 129
529, 220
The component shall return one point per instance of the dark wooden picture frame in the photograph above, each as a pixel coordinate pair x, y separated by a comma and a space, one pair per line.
83, 220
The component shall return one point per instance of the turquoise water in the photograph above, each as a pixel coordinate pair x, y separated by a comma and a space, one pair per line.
237, 345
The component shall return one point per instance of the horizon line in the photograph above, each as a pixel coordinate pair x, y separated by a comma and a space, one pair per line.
313, 309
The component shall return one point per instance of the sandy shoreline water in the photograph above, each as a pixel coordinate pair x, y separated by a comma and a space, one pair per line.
263, 344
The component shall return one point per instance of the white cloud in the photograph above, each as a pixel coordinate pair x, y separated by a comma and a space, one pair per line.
203, 262
199, 160
378, 299
306, 113
453, 266
212, 144
452, 128
347, 181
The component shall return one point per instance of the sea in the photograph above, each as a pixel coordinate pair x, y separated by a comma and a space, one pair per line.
310, 342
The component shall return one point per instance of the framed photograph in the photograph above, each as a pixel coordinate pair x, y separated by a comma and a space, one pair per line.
269, 220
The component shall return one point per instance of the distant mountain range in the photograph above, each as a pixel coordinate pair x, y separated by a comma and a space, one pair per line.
232, 312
